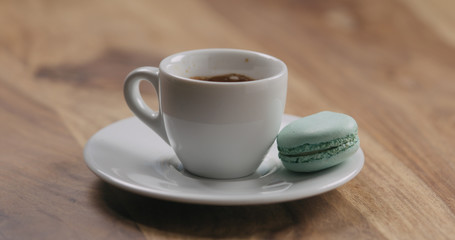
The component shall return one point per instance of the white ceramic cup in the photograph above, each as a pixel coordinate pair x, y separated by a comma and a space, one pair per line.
217, 129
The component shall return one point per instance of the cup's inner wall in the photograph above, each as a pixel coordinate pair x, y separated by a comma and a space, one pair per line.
213, 63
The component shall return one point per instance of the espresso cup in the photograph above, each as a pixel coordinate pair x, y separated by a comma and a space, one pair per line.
217, 129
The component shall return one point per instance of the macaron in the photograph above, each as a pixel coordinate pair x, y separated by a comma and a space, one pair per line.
318, 141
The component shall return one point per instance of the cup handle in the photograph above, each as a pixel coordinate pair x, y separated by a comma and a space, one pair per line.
136, 103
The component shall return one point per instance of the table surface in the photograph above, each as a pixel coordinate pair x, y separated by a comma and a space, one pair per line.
389, 64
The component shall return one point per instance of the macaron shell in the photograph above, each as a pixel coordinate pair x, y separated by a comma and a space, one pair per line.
317, 128
292, 163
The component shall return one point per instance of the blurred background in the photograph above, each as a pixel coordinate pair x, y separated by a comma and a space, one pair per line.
334, 49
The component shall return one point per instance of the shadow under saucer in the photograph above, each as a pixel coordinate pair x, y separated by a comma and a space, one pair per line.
184, 219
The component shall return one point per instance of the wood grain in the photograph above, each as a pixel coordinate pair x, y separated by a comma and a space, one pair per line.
389, 64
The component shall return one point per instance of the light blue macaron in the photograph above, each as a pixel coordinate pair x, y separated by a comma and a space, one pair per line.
318, 141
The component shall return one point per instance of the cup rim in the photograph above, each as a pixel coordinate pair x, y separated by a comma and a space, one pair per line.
166, 60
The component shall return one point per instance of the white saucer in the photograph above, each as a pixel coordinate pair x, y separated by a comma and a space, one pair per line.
131, 156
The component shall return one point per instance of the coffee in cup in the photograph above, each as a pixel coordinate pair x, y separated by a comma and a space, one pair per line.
232, 77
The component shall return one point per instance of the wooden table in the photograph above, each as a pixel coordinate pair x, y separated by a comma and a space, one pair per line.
389, 64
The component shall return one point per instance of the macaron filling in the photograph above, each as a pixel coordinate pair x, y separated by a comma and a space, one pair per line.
310, 152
